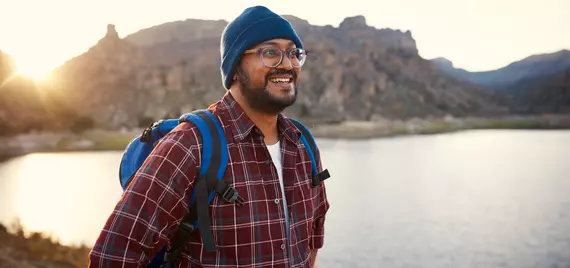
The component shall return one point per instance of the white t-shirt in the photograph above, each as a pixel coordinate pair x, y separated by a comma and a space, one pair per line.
275, 152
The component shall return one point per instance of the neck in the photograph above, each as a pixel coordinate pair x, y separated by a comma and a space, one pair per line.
267, 123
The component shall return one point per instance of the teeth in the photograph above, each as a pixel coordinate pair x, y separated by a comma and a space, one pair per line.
280, 80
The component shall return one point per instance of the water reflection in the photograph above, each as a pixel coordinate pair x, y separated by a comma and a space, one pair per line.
469, 199
60, 193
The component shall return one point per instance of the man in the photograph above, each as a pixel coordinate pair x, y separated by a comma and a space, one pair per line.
281, 221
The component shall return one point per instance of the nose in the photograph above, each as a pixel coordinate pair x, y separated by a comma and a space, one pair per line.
286, 63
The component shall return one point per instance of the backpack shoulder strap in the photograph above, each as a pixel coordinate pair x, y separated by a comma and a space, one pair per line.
214, 160
309, 142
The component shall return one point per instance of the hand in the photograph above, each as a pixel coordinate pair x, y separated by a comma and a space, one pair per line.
313, 257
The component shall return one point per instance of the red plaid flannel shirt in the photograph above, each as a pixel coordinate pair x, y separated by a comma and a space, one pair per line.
251, 236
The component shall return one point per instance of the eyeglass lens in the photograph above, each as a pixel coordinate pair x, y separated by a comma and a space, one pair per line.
272, 57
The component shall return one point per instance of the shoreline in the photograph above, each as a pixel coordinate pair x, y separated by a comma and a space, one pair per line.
396, 128
104, 140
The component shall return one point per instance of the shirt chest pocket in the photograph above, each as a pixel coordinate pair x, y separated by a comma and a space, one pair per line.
304, 195
302, 206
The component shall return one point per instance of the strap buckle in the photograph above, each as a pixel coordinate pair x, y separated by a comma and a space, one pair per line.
174, 256
146, 136
232, 196
317, 179
189, 228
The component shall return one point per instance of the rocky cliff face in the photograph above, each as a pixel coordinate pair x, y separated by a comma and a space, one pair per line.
356, 72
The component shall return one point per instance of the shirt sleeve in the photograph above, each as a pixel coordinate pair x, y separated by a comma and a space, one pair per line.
152, 206
321, 208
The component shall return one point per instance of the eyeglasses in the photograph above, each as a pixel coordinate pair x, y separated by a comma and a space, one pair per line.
272, 57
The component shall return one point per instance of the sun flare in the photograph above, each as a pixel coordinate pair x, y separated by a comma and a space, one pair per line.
33, 69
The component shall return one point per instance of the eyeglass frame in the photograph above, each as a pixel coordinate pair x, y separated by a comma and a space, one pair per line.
283, 52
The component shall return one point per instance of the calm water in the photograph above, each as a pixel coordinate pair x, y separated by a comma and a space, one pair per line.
468, 199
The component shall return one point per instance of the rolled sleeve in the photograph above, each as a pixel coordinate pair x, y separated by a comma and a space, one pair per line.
322, 207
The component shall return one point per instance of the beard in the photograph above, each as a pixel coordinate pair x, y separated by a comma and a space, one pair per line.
260, 99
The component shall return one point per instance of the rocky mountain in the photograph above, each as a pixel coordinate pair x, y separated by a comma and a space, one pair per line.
534, 66
536, 84
355, 72
545, 94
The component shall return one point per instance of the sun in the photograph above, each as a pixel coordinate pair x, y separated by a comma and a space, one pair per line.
34, 69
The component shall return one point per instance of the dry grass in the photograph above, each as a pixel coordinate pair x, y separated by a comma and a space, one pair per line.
19, 248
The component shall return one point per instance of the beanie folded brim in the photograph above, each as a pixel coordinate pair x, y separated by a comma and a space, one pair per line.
259, 31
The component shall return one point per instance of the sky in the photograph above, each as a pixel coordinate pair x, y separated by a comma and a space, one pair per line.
476, 35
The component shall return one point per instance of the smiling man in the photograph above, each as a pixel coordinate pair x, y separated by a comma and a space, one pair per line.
281, 220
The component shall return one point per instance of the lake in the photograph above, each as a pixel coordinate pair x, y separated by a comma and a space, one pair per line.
488, 198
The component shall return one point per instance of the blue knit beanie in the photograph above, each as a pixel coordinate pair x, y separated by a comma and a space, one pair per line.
255, 25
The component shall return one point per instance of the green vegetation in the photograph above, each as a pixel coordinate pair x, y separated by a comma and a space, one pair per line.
506, 124
112, 143
439, 127
97, 141
85, 139
359, 130
108, 142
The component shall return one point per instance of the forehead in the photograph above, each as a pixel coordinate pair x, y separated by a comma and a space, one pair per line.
278, 42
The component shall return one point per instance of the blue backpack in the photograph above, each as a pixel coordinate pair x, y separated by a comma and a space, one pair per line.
209, 181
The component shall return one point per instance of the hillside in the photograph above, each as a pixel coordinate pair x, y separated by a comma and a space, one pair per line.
356, 72
545, 94
534, 66
536, 84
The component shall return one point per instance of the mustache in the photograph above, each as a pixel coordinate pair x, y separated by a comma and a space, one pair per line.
281, 72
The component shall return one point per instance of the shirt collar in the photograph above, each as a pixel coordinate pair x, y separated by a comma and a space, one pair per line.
242, 126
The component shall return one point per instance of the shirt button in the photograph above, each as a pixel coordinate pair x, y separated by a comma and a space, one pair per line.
283, 246
267, 161
276, 201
